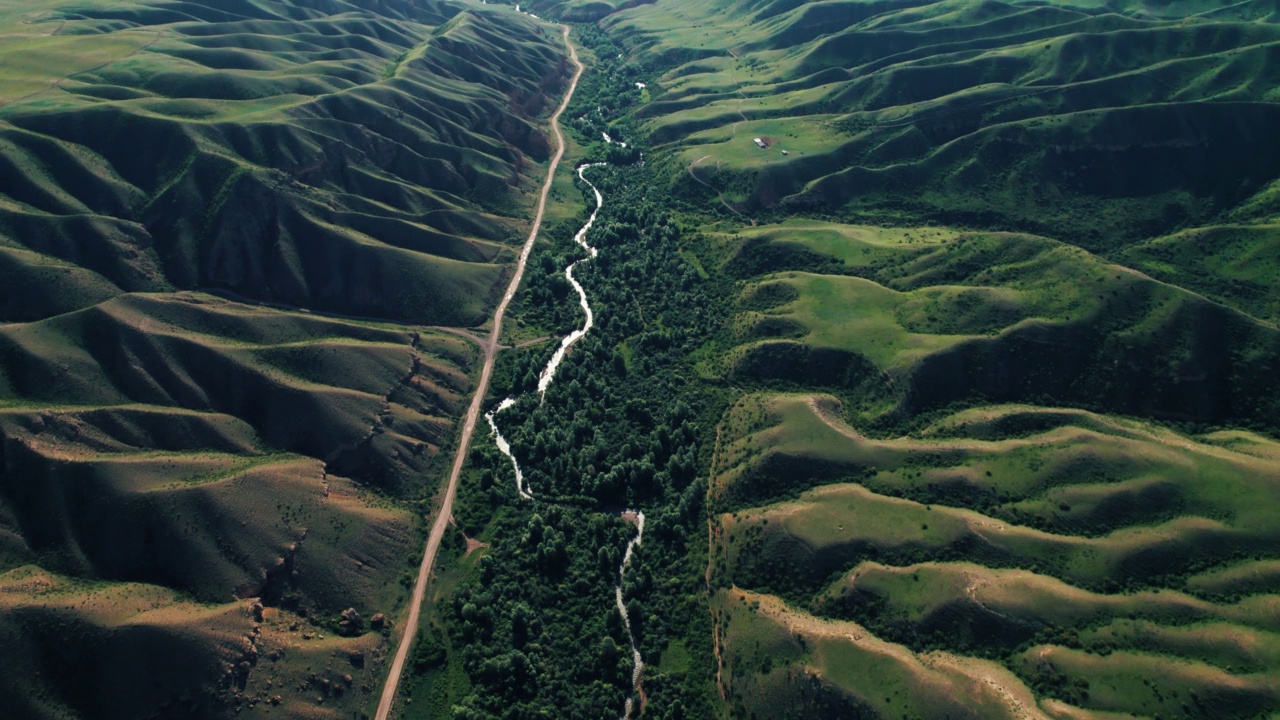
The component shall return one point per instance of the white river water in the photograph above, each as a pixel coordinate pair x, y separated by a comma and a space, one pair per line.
638, 669
544, 380
549, 372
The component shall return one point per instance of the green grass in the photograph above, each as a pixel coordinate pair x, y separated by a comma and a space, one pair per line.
738, 152
433, 691
36, 55
214, 449
1008, 115
182, 449
1233, 264
852, 245
996, 527
852, 313
256, 115
196, 453
129, 621
791, 664
1147, 684
838, 306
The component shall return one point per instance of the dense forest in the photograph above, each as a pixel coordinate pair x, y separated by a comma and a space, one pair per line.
621, 427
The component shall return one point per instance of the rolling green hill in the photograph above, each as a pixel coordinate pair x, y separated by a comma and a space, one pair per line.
1032, 562
225, 231
1088, 535
335, 157
918, 319
1098, 124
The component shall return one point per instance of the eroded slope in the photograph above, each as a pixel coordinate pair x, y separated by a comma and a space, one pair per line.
224, 231
361, 159
1008, 561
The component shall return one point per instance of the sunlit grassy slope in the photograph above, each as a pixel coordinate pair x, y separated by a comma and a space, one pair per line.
1093, 535
911, 320
1095, 123
1035, 562
180, 448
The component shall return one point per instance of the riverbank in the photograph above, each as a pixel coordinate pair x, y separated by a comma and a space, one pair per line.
445, 512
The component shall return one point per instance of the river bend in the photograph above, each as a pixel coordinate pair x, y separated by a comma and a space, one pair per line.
544, 381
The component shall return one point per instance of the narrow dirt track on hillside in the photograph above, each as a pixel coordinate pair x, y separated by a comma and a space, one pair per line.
719, 194
473, 413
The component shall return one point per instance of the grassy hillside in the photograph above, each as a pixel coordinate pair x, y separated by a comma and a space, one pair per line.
362, 159
225, 231
882, 551
912, 320
1040, 562
193, 456
1095, 123
1233, 264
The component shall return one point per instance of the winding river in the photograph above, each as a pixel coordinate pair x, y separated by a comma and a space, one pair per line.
544, 381
549, 372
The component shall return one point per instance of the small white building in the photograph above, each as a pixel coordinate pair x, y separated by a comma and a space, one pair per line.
760, 143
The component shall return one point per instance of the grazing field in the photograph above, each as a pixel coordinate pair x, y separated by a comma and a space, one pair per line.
1093, 123
910, 320
1026, 557
966, 527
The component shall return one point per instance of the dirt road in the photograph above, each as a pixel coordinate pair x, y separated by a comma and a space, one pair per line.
719, 194
473, 412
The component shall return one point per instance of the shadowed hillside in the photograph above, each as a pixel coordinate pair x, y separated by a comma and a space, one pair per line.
186, 447
367, 160
225, 228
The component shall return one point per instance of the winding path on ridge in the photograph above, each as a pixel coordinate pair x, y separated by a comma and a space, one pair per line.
445, 513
